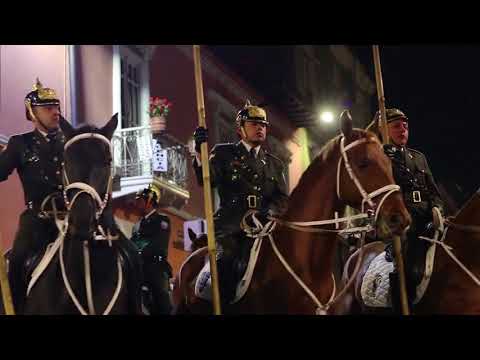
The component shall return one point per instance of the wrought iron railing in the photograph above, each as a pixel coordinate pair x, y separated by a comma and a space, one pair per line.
176, 172
134, 151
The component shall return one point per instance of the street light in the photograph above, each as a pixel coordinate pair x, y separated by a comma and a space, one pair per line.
326, 117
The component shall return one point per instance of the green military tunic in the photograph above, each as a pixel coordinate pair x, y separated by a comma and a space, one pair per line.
413, 175
38, 161
420, 193
244, 182
151, 235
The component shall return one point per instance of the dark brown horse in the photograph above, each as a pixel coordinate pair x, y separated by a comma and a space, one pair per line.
451, 290
89, 272
310, 255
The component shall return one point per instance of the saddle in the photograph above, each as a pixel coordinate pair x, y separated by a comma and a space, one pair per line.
242, 268
375, 287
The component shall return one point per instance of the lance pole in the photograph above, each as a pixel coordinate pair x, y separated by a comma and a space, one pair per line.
207, 191
382, 124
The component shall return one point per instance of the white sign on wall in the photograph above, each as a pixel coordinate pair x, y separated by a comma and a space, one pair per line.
160, 162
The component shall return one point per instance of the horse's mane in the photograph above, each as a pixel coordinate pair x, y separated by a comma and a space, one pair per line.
329, 152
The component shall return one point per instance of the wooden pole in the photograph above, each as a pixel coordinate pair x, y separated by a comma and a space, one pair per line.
207, 191
397, 245
382, 120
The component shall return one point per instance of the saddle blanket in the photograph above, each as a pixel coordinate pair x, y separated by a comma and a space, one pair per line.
203, 285
375, 289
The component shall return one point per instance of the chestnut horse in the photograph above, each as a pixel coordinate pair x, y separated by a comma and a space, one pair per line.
295, 276
454, 285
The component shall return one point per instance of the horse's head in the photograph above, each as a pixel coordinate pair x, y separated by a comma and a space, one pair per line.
87, 174
365, 179
198, 241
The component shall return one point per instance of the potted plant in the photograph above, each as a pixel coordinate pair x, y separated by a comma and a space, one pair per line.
158, 111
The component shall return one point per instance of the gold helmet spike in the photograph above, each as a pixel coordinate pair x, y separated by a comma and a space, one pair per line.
38, 85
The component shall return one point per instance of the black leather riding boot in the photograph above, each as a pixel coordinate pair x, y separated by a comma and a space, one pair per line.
395, 292
226, 280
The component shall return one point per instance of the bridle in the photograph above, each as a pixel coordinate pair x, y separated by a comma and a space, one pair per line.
100, 205
260, 231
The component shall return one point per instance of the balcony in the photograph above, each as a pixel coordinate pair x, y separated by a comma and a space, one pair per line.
140, 158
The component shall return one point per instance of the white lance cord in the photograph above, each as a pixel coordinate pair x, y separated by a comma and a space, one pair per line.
88, 277
260, 231
448, 249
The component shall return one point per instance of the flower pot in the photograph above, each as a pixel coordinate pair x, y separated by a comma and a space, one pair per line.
158, 124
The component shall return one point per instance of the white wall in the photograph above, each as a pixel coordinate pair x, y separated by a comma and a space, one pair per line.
19, 67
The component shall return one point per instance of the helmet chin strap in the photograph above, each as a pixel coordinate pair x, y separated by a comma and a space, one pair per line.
44, 127
244, 133
245, 137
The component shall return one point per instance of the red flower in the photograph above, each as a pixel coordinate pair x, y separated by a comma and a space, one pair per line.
159, 106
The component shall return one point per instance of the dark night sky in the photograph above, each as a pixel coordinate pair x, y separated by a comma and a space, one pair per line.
436, 86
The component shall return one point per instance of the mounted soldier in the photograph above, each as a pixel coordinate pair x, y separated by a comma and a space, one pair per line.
247, 177
420, 194
38, 158
151, 235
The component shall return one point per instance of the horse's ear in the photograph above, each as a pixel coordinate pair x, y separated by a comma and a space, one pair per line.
192, 234
67, 129
346, 124
110, 127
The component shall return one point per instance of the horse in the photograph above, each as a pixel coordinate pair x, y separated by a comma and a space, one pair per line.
198, 240
295, 276
453, 285
87, 269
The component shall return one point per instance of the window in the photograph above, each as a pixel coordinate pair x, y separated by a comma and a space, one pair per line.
130, 93
132, 147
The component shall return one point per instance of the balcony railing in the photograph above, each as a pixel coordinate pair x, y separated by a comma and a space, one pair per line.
175, 172
132, 152
139, 154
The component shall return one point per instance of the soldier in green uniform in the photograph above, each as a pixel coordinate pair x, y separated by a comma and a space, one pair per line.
421, 195
246, 177
151, 235
38, 157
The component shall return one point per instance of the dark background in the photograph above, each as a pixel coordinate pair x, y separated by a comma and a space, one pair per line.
437, 88
434, 85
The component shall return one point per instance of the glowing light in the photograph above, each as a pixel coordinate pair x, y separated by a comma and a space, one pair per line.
326, 117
